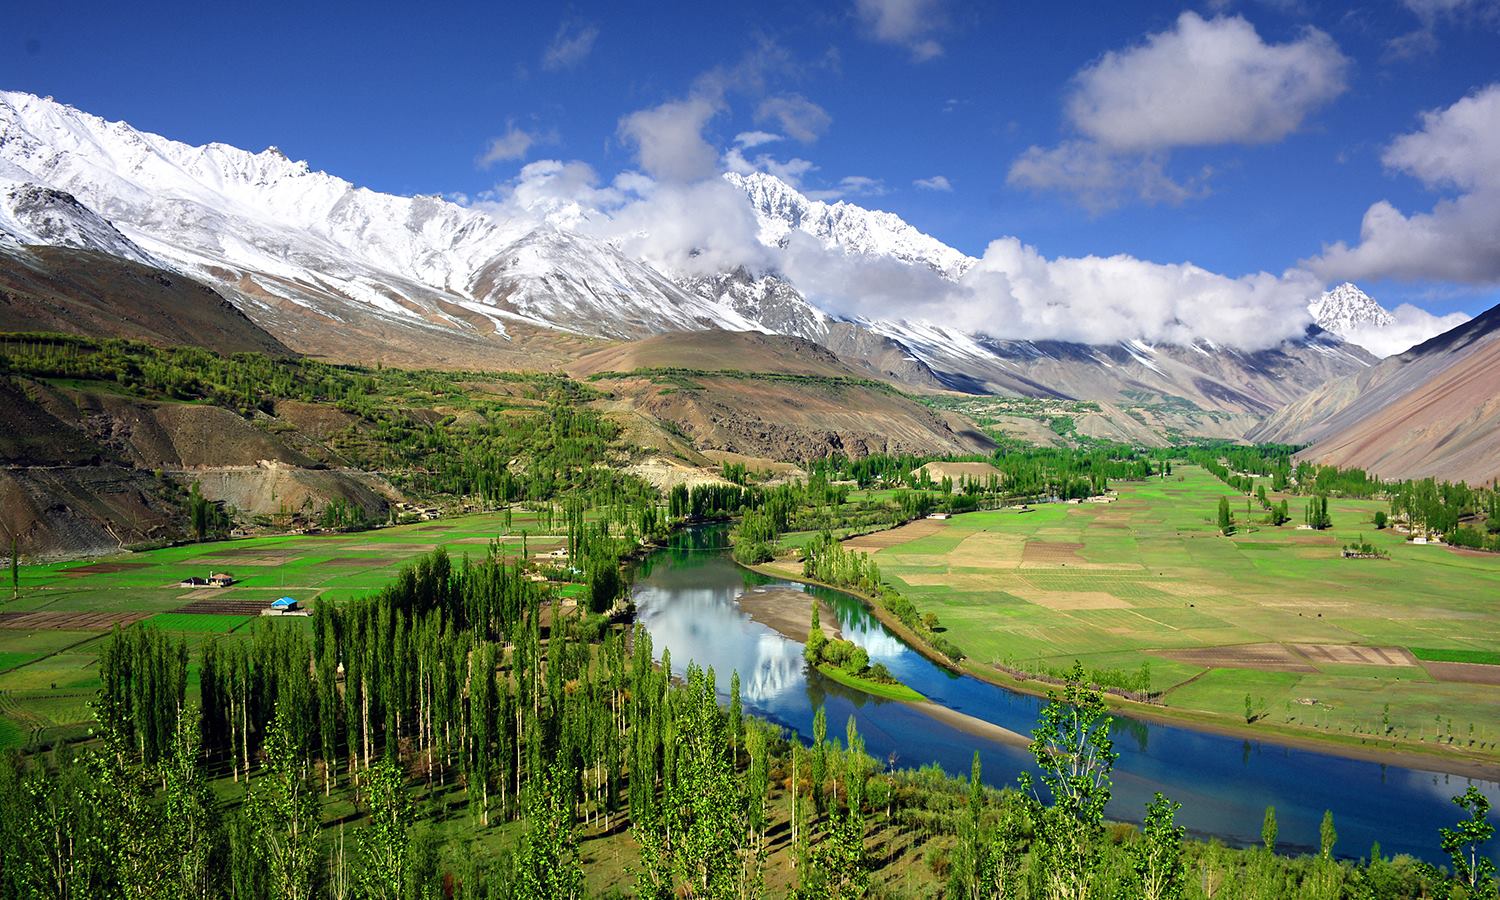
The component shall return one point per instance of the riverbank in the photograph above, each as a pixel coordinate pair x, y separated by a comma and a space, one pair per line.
788, 612
1451, 762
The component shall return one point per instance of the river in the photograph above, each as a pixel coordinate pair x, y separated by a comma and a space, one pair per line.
686, 597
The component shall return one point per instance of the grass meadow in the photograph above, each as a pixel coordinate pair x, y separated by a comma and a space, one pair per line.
1318, 642
47, 660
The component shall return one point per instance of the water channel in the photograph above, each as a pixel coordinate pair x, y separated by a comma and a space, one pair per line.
686, 597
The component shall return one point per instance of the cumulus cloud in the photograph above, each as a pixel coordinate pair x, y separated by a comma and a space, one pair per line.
935, 183
669, 138
1413, 325
905, 23
571, 45
694, 229
798, 117
553, 189
1013, 291
791, 170
515, 143
1202, 82
1457, 148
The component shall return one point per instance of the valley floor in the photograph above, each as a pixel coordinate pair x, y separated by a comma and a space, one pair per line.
1270, 625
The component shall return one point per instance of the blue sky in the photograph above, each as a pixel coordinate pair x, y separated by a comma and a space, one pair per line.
408, 100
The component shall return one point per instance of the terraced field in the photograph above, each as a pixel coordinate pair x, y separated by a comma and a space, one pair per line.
1315, 641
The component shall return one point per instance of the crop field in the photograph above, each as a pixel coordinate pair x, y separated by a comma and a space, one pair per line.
49, 634
1314, 641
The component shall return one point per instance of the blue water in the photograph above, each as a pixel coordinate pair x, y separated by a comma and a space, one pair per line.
686, 598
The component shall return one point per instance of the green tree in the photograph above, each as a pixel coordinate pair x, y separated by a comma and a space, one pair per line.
1226, 518
1268, 830
1072, 747
1157, 857
283, 806
548, 864
384, 843
971, 876
1471, 868
1327, 836
819, 759
190, 820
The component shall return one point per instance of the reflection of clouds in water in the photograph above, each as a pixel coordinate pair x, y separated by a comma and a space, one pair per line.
871, 635
706, 626
1440, 786
778, 669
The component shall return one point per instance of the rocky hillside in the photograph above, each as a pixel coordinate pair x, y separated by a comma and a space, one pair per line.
92, 293
1431, 411
769, 396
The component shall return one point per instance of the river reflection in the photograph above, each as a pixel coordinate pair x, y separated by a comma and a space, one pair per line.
686, 599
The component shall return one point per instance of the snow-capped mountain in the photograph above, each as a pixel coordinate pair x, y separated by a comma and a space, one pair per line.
338, 270
781, 209
33, 214
768, 299
1346, 310
301, 249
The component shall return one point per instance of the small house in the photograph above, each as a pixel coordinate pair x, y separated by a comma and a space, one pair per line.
284, 604
220, 579
193, 581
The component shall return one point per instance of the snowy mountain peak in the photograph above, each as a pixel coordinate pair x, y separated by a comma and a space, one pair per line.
300, 247
781, 209
34, 214
1347, 309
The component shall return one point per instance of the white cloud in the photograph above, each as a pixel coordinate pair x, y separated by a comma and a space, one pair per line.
696, 229
905, 23
1459, 148
549, 187
1413, 325
850, 186
571, 45
935, 183
515, 143
748, 139
1100, 179
1207, 81
1202, 82
1456, 147
799, 118
669, 139
791, 171
1015, 292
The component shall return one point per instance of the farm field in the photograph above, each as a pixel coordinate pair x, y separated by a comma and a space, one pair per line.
49, 634
1318, 643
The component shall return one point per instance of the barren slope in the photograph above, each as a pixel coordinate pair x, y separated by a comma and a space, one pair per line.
85, 292
1431, 411
784, 398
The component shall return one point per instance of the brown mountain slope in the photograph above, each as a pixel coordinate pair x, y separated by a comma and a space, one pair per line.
781, 398
61, 289
1431, 411
745, 351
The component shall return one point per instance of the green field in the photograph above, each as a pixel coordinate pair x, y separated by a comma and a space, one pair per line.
47, 676
1318, 642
